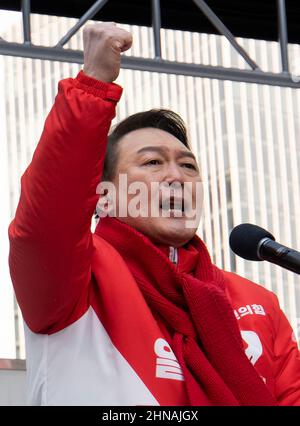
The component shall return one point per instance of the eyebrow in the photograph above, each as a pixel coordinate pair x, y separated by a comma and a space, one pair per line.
162, 151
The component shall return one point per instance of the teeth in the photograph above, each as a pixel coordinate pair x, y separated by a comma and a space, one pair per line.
176, 212
173, 206
167, 208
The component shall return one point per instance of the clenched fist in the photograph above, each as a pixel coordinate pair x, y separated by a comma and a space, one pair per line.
102, 47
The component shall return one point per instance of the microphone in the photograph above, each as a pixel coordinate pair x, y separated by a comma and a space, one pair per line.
254, 243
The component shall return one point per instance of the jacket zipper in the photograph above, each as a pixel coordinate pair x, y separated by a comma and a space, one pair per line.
173, 255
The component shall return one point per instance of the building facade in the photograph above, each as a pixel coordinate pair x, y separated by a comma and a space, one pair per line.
245, 136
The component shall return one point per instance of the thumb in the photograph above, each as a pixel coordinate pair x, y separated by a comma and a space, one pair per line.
126, 42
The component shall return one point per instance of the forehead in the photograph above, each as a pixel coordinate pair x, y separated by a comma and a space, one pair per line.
133, 141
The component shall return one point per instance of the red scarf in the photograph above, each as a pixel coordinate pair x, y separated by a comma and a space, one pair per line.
205, 335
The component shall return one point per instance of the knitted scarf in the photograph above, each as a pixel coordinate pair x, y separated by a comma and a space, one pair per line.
205, 335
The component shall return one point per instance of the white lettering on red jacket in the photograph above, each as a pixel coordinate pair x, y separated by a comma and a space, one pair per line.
167, 366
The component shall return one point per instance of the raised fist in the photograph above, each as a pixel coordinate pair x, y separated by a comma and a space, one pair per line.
102, 47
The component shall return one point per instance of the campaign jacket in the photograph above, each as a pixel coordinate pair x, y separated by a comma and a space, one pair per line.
91, 339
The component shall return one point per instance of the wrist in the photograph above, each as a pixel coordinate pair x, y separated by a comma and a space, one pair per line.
103, 89
96, 75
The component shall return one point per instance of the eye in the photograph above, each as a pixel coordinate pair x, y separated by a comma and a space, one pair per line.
189, 166
152, 163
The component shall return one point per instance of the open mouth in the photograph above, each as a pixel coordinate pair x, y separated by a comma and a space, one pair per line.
172, 206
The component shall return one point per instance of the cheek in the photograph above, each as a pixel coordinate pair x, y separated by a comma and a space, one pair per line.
198, 192
144, 181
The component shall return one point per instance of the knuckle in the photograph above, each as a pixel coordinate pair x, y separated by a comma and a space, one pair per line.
89, 32
85, 31
108, 36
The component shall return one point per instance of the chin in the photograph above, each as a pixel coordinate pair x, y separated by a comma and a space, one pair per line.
168, 231
172, 232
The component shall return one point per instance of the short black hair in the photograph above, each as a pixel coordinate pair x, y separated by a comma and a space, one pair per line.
163, 119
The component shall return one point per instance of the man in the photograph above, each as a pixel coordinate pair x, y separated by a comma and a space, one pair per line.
134, 314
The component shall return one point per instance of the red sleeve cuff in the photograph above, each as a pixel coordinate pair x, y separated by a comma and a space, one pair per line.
107, 91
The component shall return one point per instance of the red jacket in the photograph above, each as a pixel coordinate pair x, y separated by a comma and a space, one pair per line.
90, 337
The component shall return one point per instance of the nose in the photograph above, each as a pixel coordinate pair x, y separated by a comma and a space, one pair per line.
173, 173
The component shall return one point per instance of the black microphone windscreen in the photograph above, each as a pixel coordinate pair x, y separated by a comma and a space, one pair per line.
244, 240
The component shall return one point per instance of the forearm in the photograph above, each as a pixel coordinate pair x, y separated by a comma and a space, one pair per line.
61, 181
